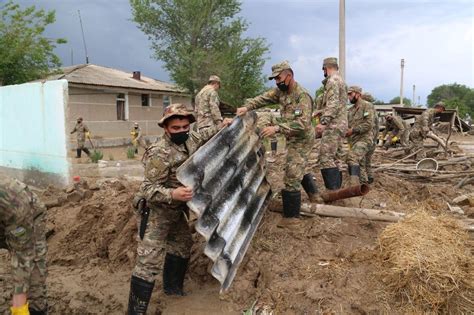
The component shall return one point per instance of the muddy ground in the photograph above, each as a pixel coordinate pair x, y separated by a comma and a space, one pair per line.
328, 266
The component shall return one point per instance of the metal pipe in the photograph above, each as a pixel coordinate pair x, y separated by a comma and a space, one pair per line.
402, 65
344, 193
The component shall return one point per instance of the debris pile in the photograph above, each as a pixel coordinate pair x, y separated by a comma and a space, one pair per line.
426, 265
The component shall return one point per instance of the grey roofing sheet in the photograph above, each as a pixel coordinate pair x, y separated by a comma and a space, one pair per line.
227, 175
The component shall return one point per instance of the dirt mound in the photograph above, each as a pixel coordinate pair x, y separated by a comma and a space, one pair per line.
427, 265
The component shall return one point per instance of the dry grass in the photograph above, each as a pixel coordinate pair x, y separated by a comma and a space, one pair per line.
427, 265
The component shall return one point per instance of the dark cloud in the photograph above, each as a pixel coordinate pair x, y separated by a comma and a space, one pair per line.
435, 38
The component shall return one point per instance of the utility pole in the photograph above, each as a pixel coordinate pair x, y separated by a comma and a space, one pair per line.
83, 37
342, 38
72, 57
419, 100
401, 82
413, 102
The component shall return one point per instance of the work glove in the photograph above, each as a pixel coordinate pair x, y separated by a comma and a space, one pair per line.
88, 134
20, 310
394, 139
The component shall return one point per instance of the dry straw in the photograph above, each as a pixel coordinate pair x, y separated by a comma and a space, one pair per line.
427, 265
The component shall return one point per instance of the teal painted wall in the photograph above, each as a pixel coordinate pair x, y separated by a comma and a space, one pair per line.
32, 127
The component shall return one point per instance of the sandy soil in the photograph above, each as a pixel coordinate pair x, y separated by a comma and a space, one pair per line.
328, 266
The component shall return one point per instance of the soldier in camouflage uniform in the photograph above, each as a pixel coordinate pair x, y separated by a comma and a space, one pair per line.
366, 164
166, 244
22, 231
360, 133
295, 124
398, 128
209, 119
333, 123
422, 126
82, 132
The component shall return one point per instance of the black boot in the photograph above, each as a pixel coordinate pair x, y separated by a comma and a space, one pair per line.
174, 271
87, 151
78, 153
140, 294
291, 203
354, 173
35, 312
309, 186
370, 180
332, 178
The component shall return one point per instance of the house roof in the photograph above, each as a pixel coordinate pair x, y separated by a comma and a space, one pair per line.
90, 74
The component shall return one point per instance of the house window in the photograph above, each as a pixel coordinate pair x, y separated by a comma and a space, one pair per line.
166, 100
145, 99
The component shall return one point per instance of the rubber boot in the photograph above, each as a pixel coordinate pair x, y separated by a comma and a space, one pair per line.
35, 312
370, 180
87, 151
140, 294
291, 209
78, 153
332, 178
174, 271
309, 186
354, 173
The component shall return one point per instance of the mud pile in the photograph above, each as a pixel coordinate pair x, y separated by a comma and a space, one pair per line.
328, 265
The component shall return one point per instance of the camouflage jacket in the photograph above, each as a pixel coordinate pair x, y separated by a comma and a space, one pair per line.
397, 125
207, 108
136, 133
295, 110
81, 129
162, 159
18, 209
425, 120
361, 120
334, 111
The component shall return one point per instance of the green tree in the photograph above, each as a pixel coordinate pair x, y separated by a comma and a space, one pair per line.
25, 54
454, 96
378, 102
198, 38
396, 100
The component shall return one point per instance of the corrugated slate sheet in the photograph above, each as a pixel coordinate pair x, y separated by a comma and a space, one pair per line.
230, 193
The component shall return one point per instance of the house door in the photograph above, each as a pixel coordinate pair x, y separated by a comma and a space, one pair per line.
120, 109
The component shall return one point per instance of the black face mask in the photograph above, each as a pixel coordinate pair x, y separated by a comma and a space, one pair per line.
325, 73
136, 127
353, 100
282, 86
79, 121
179, 137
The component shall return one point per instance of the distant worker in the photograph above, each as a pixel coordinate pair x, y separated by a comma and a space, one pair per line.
366, 165
209, 119
165, 241
295, 124
397, 129
360, 134
22, 232
82, 133
332, 123
136, 134
423, 125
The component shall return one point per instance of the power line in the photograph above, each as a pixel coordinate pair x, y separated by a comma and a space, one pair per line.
83, 37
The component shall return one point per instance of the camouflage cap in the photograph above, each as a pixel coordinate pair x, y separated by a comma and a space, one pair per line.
330, 61
368, 97
136, 124
176, 110
441, 103
354, 88
214, 78
278, 68
79, 118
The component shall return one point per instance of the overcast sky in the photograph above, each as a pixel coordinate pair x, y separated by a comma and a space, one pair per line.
434, 37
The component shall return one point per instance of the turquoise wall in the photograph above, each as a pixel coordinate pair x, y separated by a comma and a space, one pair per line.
32, 127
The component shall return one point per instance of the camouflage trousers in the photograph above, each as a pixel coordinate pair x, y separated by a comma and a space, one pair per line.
265, 119
28, 261
366, 165
81, 143
416, 142
358, 151
167, 231
296, 162
331, 148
